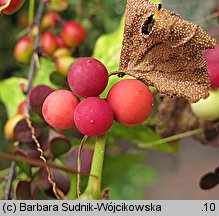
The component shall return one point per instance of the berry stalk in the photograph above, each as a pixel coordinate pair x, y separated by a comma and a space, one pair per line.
93, 190
31, 11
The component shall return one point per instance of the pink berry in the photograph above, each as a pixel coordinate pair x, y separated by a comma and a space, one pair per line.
49, 43
212, 54
58, 109
213, 71
93, 116
131, 101
88, 77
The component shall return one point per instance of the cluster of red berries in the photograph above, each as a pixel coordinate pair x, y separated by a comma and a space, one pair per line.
58, 47
129, 101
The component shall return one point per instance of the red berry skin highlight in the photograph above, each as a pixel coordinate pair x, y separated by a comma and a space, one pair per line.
88, 77
131, 101
58, 109
93, 116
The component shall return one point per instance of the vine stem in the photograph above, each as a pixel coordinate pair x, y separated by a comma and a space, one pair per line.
42, 157
79, 164
172, 138
93, 189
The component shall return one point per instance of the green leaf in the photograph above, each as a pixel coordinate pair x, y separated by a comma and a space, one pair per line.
116, 166
59, 146
139, 135
25, 168
72, 194
5, 144
47, 67
38, 194
107, 50
133, 183
11, 94
108, 47
156, 1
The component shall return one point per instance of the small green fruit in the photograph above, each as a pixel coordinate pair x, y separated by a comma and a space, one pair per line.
63, 64
62, 52
207, 109
23, 50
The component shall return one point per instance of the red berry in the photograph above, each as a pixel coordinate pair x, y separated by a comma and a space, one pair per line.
50, 20
49, 43
131, 101
212, 54
73, 34
60, 42
88, 77
23, 50
93, 116
13, 6
22, 108
213, 71
58, 109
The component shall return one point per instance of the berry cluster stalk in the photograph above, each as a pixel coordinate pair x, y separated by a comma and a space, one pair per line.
93, 190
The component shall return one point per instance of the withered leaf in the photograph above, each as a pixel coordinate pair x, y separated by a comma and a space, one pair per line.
166, 52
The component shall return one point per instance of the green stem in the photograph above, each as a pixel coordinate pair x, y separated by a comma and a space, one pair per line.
171, 138
31, 12
93, 190
73, 186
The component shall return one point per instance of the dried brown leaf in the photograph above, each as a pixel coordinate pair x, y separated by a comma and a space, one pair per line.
166, 52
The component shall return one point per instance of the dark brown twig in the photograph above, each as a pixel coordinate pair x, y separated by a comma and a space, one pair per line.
40, 163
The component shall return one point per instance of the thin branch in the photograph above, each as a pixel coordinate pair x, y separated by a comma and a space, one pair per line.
209, 17
39, 163
171, 138
175, 137
9, 181
31, 75
33, 63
